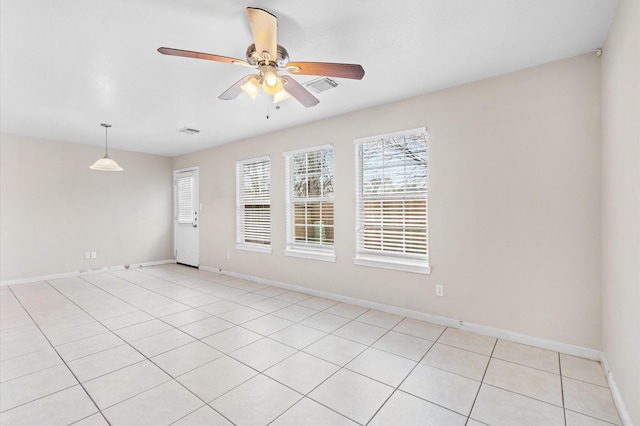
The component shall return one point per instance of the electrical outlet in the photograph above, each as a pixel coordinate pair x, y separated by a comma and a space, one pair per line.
439, 290
87, 255
228, 255
94, 254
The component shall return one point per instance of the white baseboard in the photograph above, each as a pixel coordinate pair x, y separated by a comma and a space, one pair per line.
615, 392
83, 272
538, 342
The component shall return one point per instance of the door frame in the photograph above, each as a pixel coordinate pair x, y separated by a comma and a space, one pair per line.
196, 171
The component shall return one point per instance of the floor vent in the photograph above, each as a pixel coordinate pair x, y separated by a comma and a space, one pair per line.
321, 84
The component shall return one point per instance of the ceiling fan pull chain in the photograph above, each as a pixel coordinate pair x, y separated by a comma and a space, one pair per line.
269, 106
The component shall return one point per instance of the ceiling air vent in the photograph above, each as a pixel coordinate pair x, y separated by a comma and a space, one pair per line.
321, 84
188, 131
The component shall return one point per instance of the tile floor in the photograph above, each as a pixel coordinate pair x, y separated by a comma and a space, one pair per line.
176, 345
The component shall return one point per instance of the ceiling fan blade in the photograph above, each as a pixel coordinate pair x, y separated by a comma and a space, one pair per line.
233, 91
264, 27
296, 90
199, 55
327, 69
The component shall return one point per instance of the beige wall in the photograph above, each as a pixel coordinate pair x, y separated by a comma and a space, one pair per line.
514, 219
621, 202
53, 208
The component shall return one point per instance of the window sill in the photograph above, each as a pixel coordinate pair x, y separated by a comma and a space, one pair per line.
325, 256
254, 247
387, 262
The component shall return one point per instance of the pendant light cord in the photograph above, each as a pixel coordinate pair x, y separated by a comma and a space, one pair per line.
106, 138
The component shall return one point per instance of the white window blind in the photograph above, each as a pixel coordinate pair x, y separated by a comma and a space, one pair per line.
391, 201
309, 213
184, 204
253, 204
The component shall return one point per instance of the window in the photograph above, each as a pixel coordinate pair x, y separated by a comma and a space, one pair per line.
391, 201
253, 205
310, 225
184, 195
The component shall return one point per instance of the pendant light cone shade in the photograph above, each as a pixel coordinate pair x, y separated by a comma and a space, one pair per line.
106, 164
281, 96
251, 87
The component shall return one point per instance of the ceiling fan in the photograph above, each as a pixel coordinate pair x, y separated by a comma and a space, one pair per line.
268, 57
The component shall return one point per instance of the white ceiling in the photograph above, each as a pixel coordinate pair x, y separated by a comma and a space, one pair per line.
68, 65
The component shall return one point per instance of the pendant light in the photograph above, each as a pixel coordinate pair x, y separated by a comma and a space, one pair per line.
106, 164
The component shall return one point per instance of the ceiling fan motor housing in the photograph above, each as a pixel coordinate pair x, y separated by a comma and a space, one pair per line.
256, 58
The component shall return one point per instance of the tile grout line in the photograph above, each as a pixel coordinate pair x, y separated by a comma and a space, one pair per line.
482, 381
73, 299
564, 408
397, 388
125, 343
331, 333
306, 395
277, 381
343, 367
62, 359
110, 331
522, 394
147, 359
205, 403
258, 372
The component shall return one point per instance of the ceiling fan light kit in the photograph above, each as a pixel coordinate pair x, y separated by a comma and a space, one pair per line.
268, 58
271, 82
281, 96
252, 86
106, 164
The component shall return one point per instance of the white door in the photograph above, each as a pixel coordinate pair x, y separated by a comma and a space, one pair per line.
186, 221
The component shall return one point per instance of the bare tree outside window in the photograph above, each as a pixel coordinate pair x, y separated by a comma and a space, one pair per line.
310, 209
312, 174
392, 197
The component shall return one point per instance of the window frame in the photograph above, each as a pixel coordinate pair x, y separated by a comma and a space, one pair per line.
416, 263
241, 202
323, 252
185, 212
